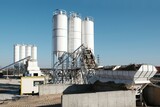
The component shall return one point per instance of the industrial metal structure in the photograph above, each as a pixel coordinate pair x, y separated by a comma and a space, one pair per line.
29, 67
72, 40
88, 33
74, 37
23, 51
28, 50
135, 77
74, 74
60, 37
34, 53
15, 63
77, 65
16, 52
132, 75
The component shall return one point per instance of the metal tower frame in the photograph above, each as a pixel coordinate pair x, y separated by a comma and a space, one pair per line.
75, 68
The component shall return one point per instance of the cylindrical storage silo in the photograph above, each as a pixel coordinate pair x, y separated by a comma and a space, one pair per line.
74, 37
23, 52
88, 33
59, 33
16, 52
28, 50
34, 53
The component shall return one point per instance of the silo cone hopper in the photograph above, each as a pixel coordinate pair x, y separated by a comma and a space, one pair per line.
135, 77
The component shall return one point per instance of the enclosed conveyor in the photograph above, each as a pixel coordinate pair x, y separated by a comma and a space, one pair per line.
134, 76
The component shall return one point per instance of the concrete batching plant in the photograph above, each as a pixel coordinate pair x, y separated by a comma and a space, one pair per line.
23, 51
26, 65
72, 38
71, 32
77, 64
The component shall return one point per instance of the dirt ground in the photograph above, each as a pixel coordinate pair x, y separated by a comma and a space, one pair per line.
34, 101
9, 89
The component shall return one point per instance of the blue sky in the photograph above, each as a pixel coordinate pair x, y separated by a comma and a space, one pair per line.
126, 31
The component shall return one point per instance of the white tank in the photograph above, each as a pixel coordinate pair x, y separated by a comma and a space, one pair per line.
28, 50
34, 53
88, 33
74, 37
23, 52
16, 52
59, 32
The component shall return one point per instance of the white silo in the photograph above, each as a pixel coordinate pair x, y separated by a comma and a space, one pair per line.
59, 33
16, 52
74, 37
34, 53
28, 50
23, 52
88, 33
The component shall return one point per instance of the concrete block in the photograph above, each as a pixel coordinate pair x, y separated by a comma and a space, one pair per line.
120, 99
84, 100
130, 100
102, 99
59, 89
112, 99
65, 102
93, 100
72, 100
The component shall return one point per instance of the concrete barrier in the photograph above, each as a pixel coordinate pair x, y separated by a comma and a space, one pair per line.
100, 99
63, 89
52, 89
